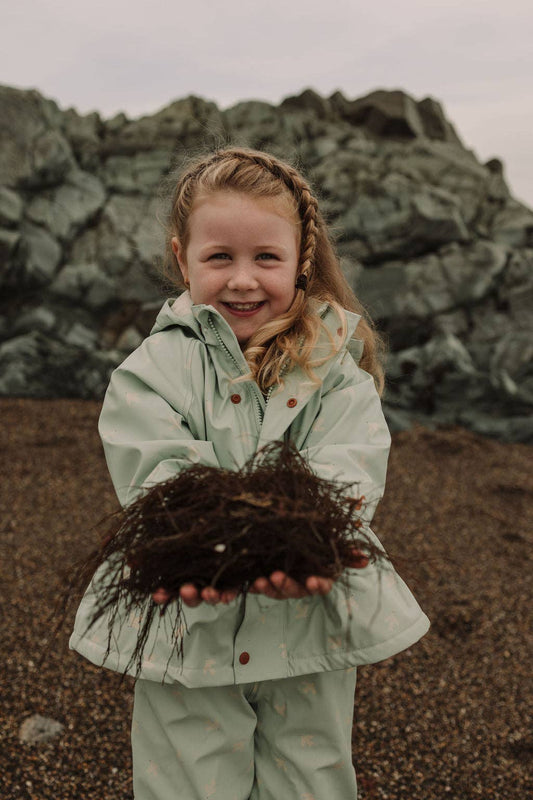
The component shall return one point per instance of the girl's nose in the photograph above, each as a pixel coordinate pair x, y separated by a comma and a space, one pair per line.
242, 278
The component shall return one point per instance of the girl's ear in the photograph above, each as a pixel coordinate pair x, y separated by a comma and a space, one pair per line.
180, 258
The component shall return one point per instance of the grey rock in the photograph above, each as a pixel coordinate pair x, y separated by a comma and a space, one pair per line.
518, 275
39, 318
39, 730
253, 122
498, 189
110, 243
116, 123
33, 152
9, 242
513, 225
309, 100
84, 283
188, 121
10, 207
39, 365
389, 114
138, 282
84, 134
100, 244
43, 255
453, 277
80, 336
434, 122
148, 236
512, 364
138, 173
52, 159
394, 218
432, 377
129, 339
67, 209
508, 429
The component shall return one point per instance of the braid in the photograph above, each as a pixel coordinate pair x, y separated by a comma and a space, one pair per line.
305, 201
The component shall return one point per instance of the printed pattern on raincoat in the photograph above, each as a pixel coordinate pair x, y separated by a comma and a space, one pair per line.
169, 405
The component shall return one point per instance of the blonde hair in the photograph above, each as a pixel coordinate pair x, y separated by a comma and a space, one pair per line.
289, 339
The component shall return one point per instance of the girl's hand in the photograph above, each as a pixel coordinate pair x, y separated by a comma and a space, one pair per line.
191, 597
279, 586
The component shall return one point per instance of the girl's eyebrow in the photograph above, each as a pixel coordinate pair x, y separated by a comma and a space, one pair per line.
260, 247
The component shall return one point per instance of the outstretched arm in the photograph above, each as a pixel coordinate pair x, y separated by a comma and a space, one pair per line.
146, 441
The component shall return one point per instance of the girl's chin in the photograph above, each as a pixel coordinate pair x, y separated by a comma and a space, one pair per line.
243, 334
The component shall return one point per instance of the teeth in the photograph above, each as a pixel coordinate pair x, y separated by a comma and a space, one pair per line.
243, 306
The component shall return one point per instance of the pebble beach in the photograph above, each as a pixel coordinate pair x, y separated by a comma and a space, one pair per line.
448, 718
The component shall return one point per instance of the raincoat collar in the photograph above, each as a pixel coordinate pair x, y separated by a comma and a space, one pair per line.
210, 327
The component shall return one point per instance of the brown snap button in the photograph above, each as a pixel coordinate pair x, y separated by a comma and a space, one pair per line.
244, 657
292, 402
235, 398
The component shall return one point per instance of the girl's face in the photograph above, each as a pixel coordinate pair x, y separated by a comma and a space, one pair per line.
242, 258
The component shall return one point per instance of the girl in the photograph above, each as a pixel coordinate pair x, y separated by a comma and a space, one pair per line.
261, 346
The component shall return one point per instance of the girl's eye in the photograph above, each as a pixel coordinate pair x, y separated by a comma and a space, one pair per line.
219, 256
266, 256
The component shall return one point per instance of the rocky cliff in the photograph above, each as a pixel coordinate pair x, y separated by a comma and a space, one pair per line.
432, 240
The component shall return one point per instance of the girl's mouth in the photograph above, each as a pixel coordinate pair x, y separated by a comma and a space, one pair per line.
244, 309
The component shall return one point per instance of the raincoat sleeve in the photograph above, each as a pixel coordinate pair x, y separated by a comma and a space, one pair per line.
349, 440
145, 434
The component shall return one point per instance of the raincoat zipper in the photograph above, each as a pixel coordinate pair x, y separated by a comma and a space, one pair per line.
257, 402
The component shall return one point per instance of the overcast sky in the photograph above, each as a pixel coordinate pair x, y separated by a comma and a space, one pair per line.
474, 56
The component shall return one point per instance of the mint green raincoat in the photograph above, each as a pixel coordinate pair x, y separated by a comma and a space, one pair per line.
173, 402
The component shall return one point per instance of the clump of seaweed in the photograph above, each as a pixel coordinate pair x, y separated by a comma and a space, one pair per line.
224, 528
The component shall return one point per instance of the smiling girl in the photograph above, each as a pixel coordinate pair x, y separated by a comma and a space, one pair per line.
266, 343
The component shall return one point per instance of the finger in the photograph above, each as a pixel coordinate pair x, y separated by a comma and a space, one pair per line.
287, 586
261, 586
228, 595
189, 595
161, 596
210, 595
317, 585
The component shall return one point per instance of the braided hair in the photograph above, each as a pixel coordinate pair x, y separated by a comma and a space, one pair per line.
289, 339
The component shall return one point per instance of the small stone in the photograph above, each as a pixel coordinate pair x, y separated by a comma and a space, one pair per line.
37, 729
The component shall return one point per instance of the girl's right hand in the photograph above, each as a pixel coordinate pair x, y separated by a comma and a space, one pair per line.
191, 597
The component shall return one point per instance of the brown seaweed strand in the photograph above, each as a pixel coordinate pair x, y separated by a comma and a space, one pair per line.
219, 527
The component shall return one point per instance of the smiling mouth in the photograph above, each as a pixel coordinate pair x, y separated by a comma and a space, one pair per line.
244, 306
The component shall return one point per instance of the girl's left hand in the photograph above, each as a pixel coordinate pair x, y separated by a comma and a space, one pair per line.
281, 586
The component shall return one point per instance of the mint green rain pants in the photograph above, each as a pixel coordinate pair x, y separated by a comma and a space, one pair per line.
287, 739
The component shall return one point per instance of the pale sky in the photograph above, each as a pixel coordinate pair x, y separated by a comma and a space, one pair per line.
474, 56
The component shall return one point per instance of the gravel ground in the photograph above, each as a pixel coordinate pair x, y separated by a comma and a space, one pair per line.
446, 719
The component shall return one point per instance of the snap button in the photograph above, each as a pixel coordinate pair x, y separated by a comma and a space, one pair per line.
235, 398
244, 657
292, 402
